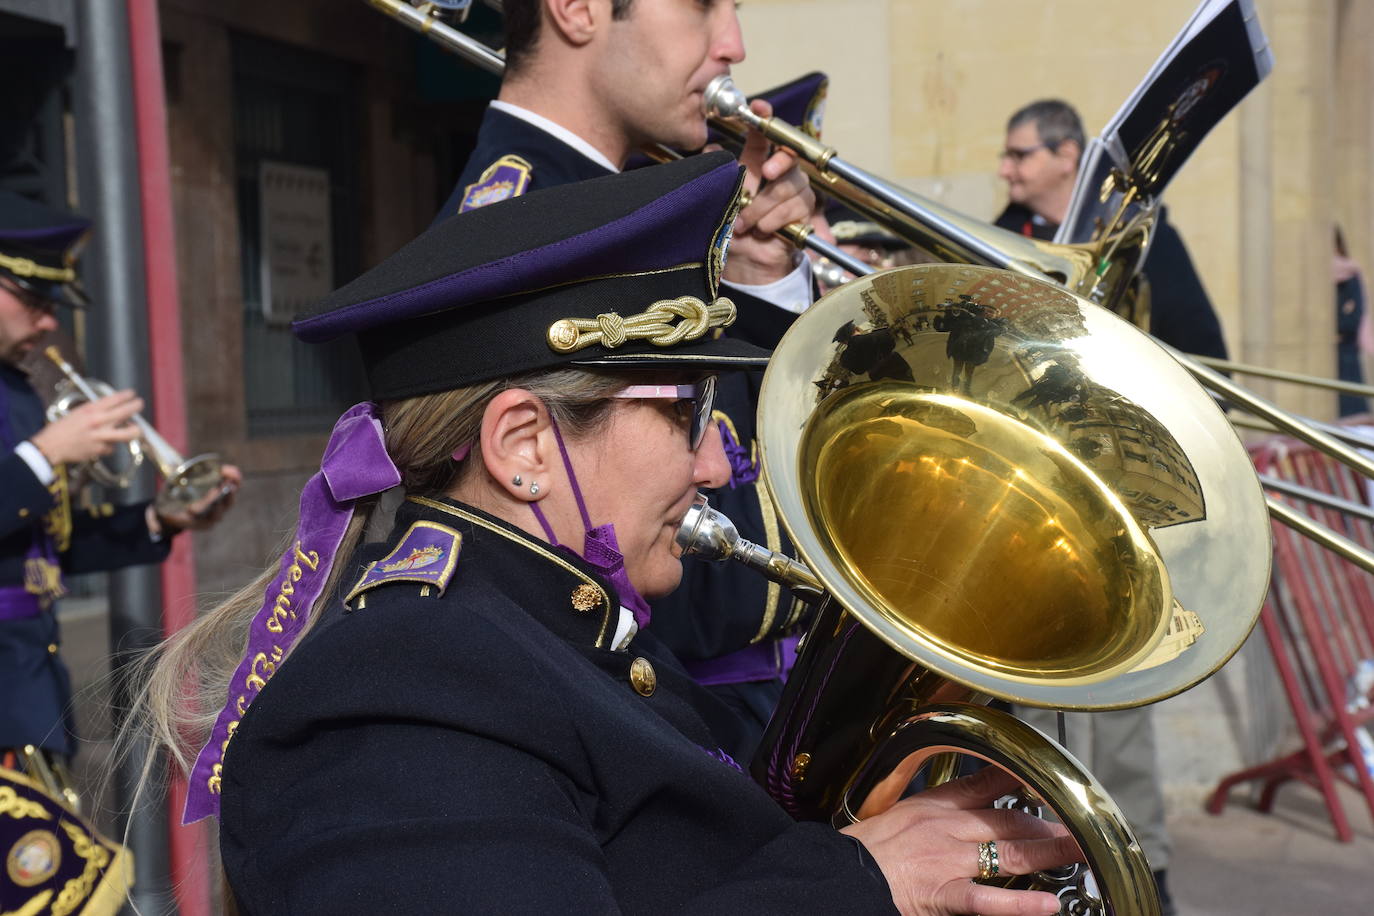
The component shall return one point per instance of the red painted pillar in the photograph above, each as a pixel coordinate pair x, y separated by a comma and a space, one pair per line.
188, 845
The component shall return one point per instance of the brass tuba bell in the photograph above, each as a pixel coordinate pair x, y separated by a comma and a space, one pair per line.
186, 481
998, 489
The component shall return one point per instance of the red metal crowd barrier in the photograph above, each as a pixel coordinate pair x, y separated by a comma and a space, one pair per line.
1319, 621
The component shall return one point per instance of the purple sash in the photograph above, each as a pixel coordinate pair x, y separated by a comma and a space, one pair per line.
18, 603
763, 661
355, 464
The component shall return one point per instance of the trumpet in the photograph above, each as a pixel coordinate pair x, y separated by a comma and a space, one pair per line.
187, 482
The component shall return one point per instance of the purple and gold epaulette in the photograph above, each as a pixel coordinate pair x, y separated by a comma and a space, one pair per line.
505, 178
428, 554
55, 862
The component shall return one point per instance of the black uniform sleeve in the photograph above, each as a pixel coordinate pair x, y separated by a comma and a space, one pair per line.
22, 497
112, 537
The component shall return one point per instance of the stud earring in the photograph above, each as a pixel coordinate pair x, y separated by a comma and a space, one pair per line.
534, 488
516, 480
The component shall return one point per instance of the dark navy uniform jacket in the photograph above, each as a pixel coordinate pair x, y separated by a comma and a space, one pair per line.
547, 163
480, 748
34, 687
718, 610
1181, 315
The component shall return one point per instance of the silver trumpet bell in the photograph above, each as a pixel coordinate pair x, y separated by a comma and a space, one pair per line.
187, 481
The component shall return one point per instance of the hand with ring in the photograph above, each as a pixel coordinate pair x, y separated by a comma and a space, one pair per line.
930, 845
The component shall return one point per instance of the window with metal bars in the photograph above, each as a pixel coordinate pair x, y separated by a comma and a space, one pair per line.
296, 111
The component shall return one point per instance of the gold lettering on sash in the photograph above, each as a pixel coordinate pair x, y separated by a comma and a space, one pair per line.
264, 665
311, 559
256, 680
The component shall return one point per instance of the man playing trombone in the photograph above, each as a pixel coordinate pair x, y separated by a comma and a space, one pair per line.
587, 84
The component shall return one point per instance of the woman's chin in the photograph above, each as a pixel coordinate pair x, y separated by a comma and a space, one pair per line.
665, 581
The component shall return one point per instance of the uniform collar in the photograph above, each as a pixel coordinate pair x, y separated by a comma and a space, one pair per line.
553, 586
556, 131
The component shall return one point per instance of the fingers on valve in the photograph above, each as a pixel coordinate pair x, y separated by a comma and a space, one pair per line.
995, 858
998, 901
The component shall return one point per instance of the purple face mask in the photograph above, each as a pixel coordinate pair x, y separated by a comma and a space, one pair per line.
599, 548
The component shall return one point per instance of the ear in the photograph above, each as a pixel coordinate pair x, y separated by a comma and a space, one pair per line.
518, 441
577, 21
1071, 151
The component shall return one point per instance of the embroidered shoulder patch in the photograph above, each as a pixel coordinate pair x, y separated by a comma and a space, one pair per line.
505, 178
34, 858
815, 110
427, 554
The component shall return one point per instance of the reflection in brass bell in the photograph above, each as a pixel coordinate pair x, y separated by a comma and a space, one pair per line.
642, 677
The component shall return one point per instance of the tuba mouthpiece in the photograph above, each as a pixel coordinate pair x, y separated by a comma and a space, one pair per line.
708, 534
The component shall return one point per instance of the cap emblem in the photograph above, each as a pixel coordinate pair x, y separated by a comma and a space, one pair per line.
720, 242
815, 111
656, 325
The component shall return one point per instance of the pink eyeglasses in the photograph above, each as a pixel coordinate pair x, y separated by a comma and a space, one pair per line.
702, 396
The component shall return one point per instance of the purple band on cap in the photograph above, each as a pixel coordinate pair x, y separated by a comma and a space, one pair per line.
665, 233
355, 464
47, 236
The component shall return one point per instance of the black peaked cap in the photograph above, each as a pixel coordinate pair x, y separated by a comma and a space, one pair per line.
39, 246
621, 271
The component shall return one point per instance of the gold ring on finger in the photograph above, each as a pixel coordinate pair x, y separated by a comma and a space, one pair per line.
987, 860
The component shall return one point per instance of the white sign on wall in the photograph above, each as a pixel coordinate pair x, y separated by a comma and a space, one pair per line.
296, 261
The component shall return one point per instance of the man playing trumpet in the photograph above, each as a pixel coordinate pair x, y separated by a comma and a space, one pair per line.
43, 536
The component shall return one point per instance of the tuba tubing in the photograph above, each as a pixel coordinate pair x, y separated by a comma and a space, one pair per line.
1004, 491
839, 750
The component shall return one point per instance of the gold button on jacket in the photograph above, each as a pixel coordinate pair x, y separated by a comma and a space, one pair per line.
642, 677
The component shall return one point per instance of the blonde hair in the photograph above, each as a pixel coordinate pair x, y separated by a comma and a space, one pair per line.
182, 684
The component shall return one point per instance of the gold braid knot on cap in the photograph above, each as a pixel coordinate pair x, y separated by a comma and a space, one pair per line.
655, 324
27, 267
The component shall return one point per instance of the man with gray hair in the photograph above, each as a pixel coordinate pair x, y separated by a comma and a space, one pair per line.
1039, 163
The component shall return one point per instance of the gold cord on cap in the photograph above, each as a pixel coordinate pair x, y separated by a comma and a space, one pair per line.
655, 324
